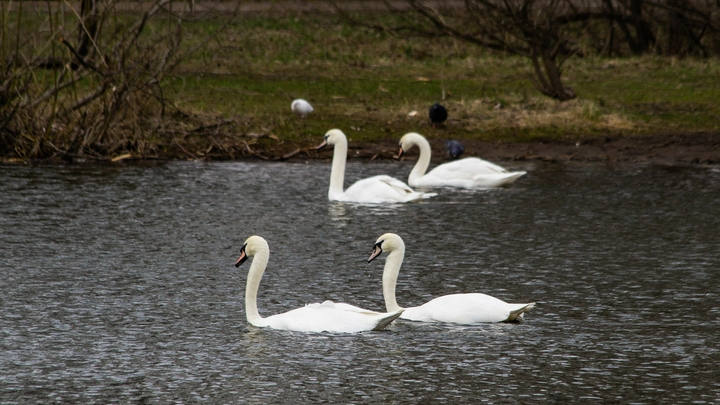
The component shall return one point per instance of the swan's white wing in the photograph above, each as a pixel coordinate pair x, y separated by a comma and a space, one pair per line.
352, 308
496, 180
328, 317
468, 173
466, 309
468, 167
381, 189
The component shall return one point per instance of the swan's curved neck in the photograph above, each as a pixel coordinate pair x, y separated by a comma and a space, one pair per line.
390, 274
423, 161
337, 173
257, 268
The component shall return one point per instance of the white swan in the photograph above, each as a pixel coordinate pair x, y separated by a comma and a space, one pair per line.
374, 190
454, 308
463, 173
301, 107
325, 317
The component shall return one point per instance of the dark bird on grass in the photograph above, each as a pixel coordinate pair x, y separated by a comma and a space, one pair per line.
454, 148
438, 114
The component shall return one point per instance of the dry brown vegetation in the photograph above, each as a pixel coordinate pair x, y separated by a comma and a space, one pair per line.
168, 82
85, 80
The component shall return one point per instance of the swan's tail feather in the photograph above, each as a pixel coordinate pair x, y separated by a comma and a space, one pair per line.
388, 319
496, 180
419, 196
518, 313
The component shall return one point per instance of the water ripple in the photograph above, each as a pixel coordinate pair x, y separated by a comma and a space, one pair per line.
118, 286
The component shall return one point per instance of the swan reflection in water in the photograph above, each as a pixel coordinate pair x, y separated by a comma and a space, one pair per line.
337, 212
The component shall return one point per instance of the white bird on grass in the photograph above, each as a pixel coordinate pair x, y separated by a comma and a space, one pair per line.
301, 108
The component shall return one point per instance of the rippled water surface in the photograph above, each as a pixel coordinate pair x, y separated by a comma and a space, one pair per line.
118, 286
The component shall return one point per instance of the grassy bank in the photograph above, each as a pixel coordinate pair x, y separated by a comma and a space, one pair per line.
234, 93
368, 83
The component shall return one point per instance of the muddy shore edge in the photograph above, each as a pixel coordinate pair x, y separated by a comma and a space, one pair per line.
663, 149
660, 149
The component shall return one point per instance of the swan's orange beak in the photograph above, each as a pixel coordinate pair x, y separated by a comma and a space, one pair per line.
400, 152
242, 258
322, 145
377, 249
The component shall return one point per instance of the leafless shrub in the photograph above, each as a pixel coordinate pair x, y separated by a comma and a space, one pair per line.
663, 27
93, 96
549, 32
523, 27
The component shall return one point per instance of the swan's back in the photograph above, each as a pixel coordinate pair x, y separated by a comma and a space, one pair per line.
467, 167
329, 317
466, 309
381, 189
469, 173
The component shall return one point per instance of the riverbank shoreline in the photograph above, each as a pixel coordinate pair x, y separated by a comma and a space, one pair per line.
230, 99
661, 149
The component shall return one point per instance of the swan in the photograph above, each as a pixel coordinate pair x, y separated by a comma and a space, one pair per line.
374, 190
455, 308
464, 173
324, 317
301, 107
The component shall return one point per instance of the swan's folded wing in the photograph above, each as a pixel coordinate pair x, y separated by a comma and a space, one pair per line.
352, 308
466, 309
403, 188
382, 189
496, 180
464, 173
466, 168
398, 185
330, 317
480, 165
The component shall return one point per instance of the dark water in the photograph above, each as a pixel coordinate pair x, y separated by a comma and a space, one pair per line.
117, 286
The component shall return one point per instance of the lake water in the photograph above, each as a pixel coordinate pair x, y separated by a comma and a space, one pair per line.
117, 286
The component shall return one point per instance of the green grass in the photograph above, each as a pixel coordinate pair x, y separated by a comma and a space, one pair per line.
376, 86
356, 78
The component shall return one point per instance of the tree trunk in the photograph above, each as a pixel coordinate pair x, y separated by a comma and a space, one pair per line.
88, 26
643, 37
607, 49
547, 76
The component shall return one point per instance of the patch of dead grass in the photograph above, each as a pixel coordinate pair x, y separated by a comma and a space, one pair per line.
539, 113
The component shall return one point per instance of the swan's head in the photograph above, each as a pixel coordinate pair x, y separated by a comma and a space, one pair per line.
408, 141
332, 137
252, 245
386, 243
